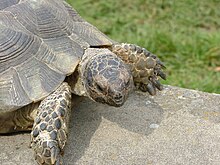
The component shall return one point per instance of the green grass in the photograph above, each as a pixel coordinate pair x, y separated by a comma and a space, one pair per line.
185, 34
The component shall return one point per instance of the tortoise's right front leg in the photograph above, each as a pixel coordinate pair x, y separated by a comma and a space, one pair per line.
50, 129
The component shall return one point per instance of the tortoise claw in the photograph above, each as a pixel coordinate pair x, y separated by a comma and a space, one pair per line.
54, 155
161, 74
147, 88
161, 64
157, 84
151, 89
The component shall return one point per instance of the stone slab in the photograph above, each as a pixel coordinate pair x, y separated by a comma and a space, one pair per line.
178, 126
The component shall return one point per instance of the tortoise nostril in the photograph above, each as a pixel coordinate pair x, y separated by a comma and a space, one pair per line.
118, 97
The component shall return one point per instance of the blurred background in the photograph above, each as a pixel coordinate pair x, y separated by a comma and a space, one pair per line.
185, 34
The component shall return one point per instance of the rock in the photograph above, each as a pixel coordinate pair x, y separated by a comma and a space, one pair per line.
177, 126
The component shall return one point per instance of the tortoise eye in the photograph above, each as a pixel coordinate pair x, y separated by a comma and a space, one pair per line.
99, 88
127, 83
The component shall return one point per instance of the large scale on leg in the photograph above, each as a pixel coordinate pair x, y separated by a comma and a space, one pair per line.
47, 52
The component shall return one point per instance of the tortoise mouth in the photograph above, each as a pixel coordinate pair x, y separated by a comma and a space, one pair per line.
116, 103
118, 100
112, 101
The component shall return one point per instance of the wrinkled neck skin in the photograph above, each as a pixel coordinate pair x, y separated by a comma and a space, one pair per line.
109, 83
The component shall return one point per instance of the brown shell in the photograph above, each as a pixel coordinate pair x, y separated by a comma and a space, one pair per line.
41, 42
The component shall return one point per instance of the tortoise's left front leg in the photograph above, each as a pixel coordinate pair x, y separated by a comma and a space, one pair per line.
145, 66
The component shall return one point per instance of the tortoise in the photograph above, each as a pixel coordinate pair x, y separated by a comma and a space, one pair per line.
47, 53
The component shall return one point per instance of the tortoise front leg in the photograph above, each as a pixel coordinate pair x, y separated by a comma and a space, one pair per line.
50, 129
145, 66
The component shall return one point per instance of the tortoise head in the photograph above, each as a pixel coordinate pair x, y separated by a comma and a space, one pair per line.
107, 79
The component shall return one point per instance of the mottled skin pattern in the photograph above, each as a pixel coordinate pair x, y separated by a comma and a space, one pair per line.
49, 133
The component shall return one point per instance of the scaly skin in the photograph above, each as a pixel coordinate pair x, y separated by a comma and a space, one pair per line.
50, 129
19, 120
145, 66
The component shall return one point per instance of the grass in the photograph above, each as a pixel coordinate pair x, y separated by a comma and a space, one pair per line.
184, 34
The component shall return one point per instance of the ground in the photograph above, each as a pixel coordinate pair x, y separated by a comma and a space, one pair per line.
178, 126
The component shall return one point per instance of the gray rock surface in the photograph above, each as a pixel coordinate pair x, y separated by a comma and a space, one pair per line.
178, 126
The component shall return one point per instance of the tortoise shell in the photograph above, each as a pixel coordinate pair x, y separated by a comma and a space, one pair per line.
41, 42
